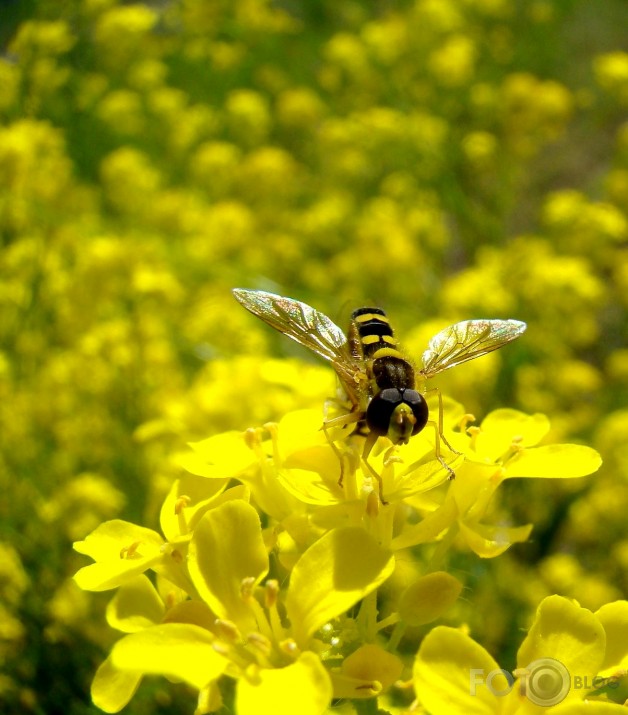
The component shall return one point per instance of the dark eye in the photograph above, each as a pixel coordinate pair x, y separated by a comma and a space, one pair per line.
381, 408
419, 409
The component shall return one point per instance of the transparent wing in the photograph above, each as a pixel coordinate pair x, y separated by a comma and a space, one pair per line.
466, 341
308, 327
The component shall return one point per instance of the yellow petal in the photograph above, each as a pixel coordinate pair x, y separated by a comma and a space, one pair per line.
421, 477
588, 707
614, 620
346, 686
336, 572
429, 528
490, 541
310, 487
564, 631
209, 700
122, 551
428, 598
221, 456
319, 458
453, 675
474, 487
301, 429
113, 536
135, 606
501, 427
226, 548
345, 513
112, 688
303, 687
367, 672
175, 650
189, 498
197, 613
562, 461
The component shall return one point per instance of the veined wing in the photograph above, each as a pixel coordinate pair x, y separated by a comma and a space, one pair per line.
466, 341
308, 327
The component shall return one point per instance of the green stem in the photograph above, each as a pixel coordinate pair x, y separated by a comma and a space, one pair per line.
438, 557
396, 636
366, 706
388, 621
367, 618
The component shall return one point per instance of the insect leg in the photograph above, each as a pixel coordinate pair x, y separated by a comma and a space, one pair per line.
341, 421
441, 434
368, 446
437, 437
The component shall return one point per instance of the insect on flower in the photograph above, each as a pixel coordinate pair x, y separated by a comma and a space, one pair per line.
380, 383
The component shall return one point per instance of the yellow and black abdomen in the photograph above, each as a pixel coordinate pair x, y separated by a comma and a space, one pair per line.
373, 340
395, 409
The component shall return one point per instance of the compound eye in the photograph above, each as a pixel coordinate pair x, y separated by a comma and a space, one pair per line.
418, 405
380, 410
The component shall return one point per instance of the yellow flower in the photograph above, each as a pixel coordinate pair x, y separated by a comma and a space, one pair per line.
268, 174
579, 223
299, 107
34, 173
120, 31
298, 471
611, 72
503, 447
248, 116
130, 182
533, 111
147, 74
453, 64
42, 38
333, 522
121, 551
81, 503
480, 148
309, 468
13, 578
122, 111
440, 15
347, 52
233, 625
387, 38
570, 662
9, 81
214, 166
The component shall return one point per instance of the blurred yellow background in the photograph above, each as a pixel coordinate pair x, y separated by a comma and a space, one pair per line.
447, 159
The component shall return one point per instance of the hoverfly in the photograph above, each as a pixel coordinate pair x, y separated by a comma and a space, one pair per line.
378, 380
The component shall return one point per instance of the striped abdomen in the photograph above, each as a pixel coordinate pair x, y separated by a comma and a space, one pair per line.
372, 339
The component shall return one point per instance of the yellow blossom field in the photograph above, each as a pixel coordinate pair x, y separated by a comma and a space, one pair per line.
194, 517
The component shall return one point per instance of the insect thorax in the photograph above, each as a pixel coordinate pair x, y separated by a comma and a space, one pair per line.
393, 371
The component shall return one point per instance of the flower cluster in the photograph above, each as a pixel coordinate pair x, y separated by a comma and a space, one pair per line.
293, 583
